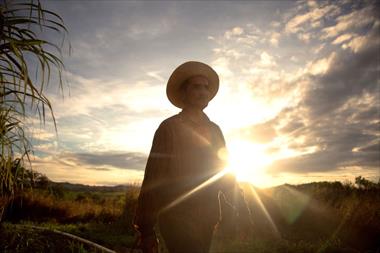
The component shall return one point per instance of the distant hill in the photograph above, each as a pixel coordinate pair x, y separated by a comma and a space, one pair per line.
90, 188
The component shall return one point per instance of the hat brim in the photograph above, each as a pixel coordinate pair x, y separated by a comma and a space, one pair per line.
184, 72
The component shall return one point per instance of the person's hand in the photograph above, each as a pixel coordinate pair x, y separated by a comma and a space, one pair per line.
149, 244
246, 230
245, 224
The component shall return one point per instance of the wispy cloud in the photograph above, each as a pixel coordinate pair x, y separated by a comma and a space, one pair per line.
312, 18
352, 21
131, 161
93, 168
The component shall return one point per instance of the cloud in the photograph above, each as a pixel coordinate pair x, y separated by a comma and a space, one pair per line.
336, 141
156, 75
327, 104
316, 162
221, 66
127, 160
293, 125
266, 59
274, 38
105, 115
118, 168
342, 38
299, 82
88, 94
357, 43
233, 53
97, 161
260, 133
305, 37
373, 148
236, 31
355, 20
348, 74
313, 17
99, 168
320, 66
338, 114
324, 21
146, 29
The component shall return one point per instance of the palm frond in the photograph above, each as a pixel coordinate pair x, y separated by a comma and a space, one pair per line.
21, 48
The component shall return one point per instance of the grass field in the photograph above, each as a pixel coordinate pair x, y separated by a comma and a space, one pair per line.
316, 217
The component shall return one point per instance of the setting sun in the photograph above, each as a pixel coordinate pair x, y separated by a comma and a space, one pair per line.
247, 161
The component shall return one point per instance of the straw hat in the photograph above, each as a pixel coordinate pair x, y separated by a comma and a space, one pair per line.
184, 72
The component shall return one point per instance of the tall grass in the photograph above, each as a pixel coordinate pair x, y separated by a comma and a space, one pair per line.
104, 217
316, 217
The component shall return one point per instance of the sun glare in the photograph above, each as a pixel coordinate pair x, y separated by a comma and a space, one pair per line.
247, 161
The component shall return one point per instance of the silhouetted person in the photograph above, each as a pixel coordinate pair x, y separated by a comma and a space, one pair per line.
184, 173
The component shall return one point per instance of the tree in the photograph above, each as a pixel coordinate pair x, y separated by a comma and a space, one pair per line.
26, 64
363, 183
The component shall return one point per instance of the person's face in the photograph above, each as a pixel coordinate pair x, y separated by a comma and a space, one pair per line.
197, 93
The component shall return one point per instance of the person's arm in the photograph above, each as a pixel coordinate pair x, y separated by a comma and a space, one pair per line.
233, 196
150, 198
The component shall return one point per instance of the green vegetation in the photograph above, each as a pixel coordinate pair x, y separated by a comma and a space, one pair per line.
315, 217
100, 214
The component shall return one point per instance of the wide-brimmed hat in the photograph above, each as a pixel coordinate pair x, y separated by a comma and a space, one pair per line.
184, 72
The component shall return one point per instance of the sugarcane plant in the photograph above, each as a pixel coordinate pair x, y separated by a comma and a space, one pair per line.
27, 62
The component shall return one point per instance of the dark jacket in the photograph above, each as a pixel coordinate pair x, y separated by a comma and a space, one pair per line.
184, 173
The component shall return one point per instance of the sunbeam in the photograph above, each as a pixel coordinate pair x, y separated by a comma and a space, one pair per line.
267, 215
202, 139
292, 211
189, 193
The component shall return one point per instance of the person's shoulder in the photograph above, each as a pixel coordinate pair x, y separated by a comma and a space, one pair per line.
170, 121
211, 123
214, 125
168, 126
216, 129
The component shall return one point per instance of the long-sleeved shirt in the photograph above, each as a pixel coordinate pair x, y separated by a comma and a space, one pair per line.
183, 157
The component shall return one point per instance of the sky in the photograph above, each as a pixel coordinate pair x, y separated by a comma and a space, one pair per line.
298, 99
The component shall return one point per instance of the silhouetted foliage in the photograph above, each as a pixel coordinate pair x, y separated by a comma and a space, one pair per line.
363, 183
26, 64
